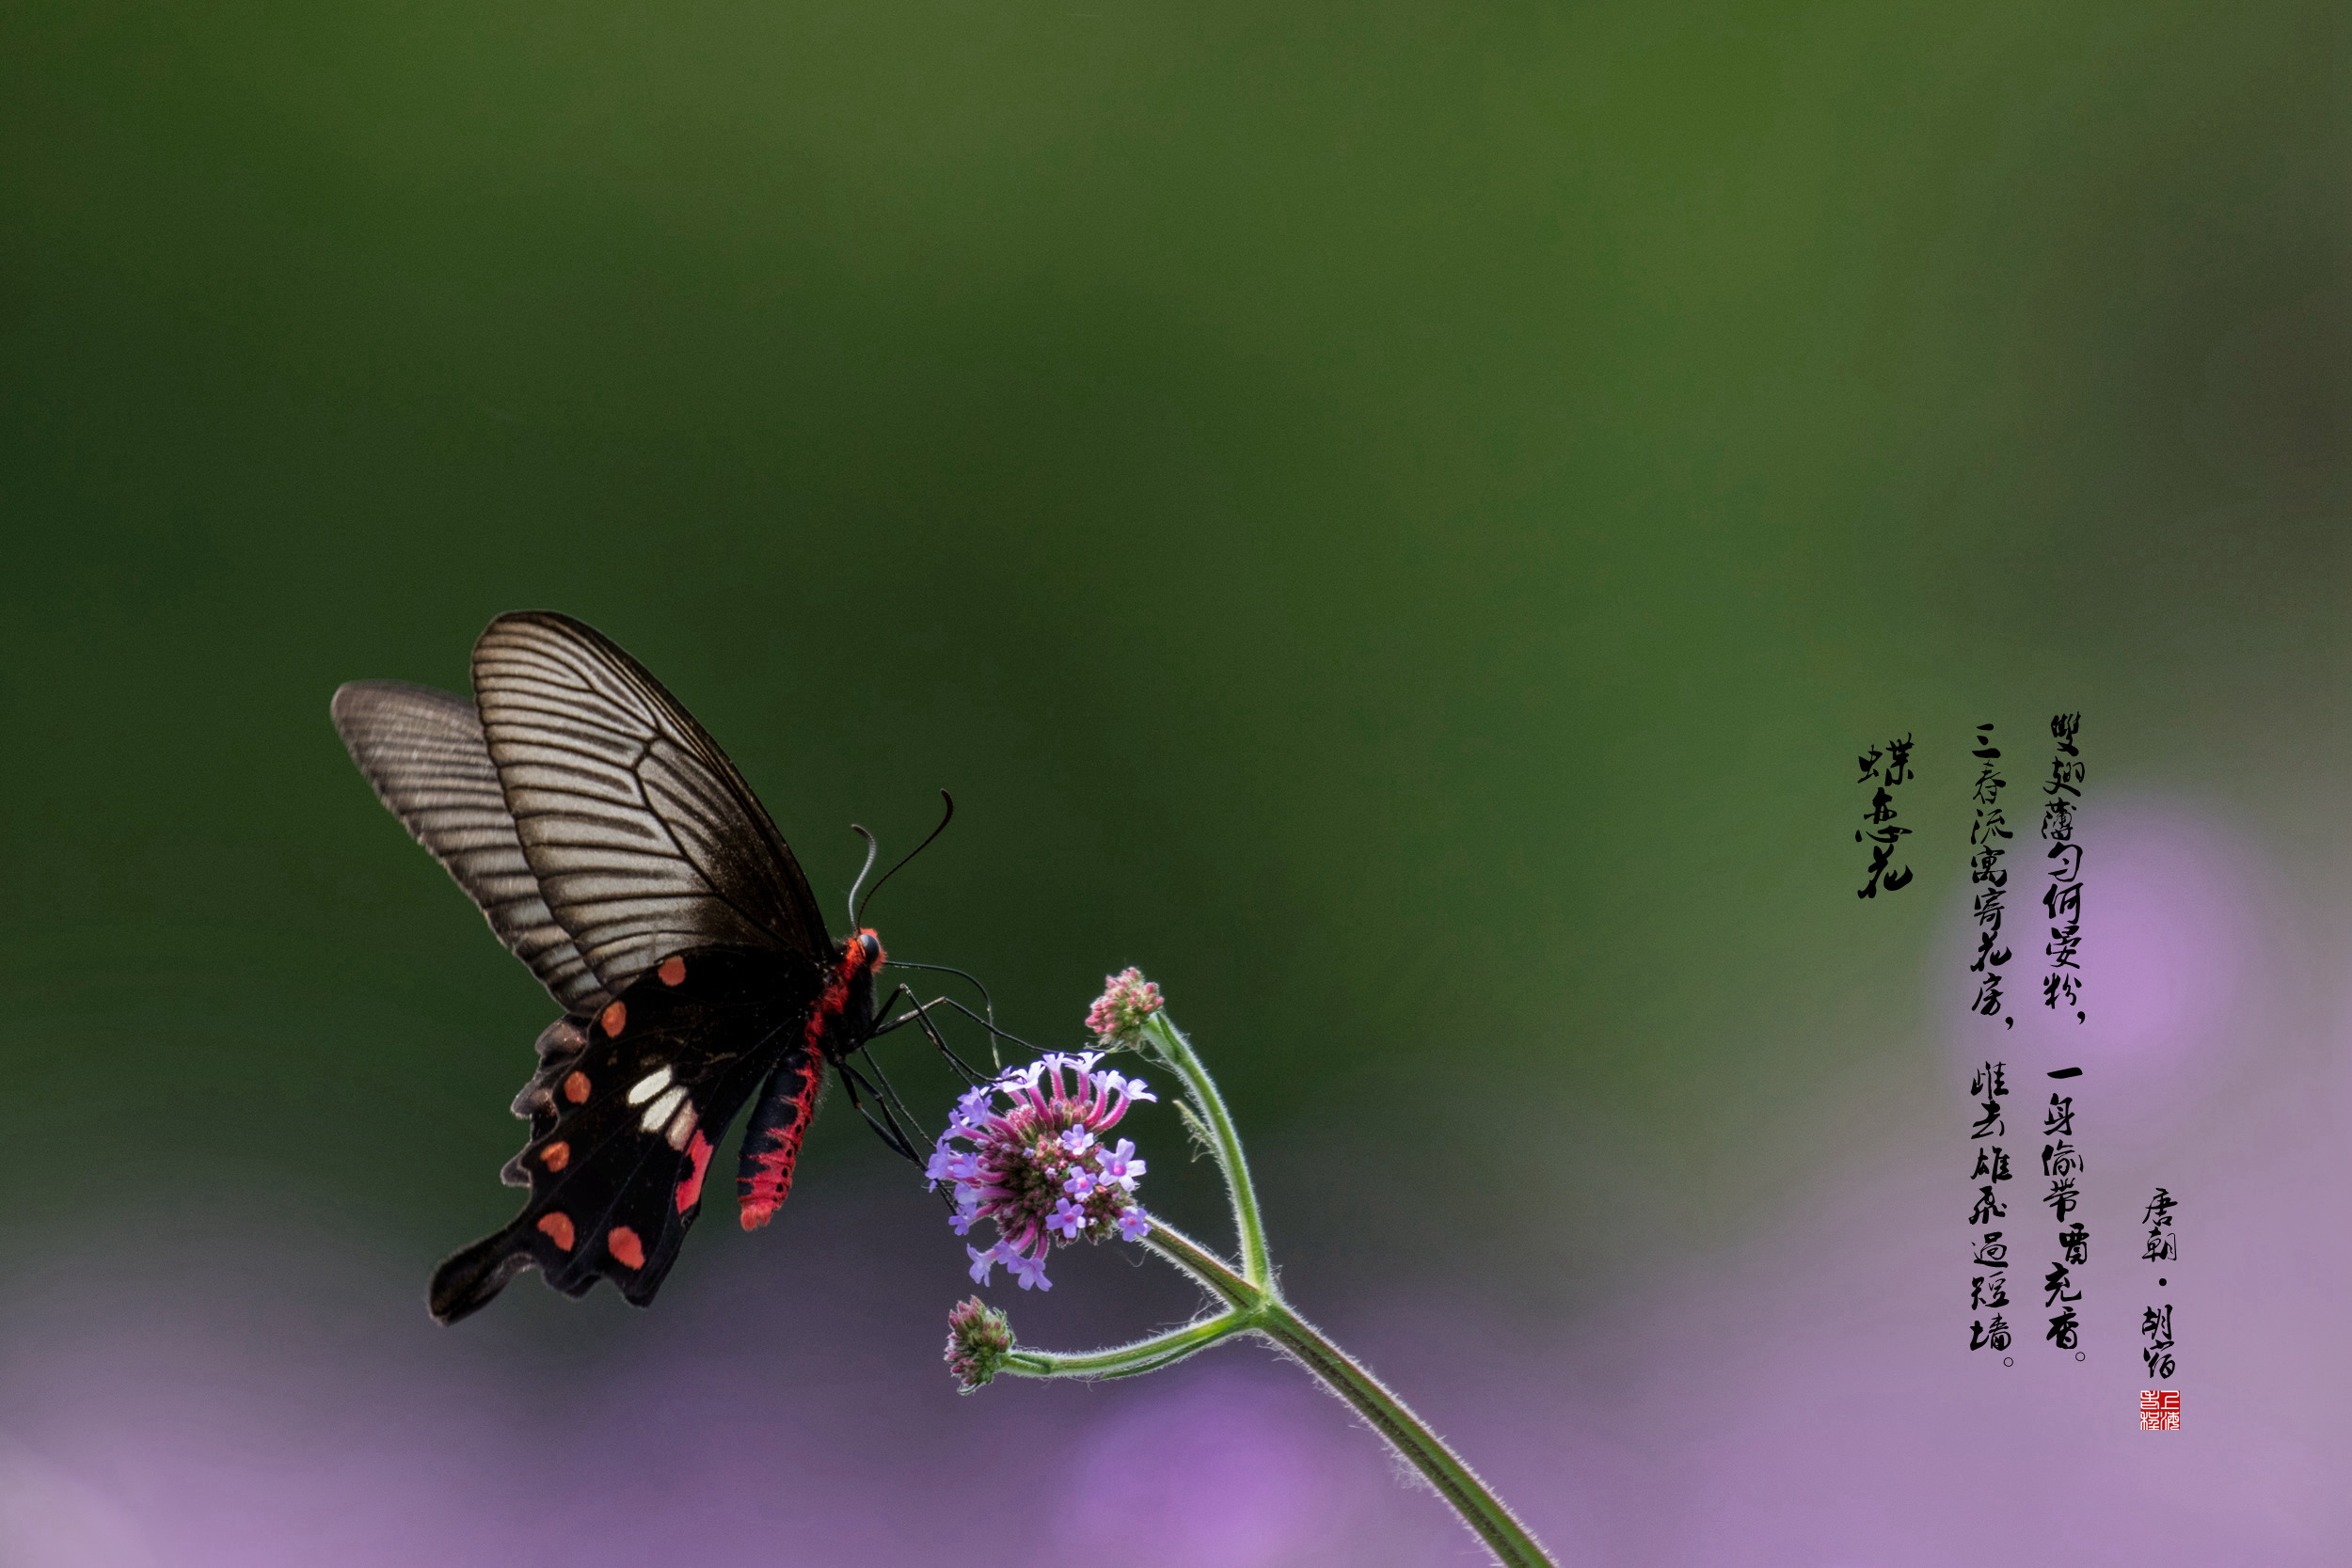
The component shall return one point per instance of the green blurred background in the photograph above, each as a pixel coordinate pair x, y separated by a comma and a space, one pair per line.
1394, 518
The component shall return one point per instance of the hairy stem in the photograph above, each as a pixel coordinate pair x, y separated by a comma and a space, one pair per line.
1213, 1273
1143, 1356
1248, 1227
1486, 1515
1254, 1309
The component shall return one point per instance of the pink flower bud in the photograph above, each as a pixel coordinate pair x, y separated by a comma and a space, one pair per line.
1117, 1016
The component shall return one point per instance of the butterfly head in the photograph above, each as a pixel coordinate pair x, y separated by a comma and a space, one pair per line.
867, 951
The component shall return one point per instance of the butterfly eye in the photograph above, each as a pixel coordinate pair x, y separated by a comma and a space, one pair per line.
872, 945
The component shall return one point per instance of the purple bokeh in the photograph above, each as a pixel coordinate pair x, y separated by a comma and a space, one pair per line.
771, 1412
267, 1390
2179, 923
1803, 1400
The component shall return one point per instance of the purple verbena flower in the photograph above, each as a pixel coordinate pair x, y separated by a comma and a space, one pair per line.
1121, 1167
1134, 1224
1029, 1271
1037, 1167
1117, 1016
979, 1338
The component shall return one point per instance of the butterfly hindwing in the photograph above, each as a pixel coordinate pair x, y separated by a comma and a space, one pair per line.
625, 1109
642, 837
424, 752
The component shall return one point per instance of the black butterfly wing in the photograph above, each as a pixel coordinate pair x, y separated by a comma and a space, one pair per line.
611, 844
625, 1110
424, 752
642, 837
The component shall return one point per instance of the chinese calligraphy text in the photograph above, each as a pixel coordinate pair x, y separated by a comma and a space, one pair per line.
1988, 1292
1882, 771
2155, 1322
2061, 1165
2063, 897
1985, 848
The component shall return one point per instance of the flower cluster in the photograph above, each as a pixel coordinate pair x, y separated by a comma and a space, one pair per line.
1117, 1016
1039, 1169
979, 1338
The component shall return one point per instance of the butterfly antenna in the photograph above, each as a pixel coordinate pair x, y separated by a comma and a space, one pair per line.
873, 848
857, 908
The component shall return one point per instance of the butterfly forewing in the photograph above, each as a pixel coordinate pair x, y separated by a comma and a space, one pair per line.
424, 752
625, 1110
642, 837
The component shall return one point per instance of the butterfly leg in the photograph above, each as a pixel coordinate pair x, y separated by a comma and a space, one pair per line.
888, 1094
989, 1023
988, 1005
851, 1078
919, 1015
886, 1126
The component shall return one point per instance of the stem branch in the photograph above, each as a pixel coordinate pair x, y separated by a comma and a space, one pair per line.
1214, 1274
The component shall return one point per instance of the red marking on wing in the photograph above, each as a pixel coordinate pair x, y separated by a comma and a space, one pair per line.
622, 1243
672, 971
615, 1018
557, 1229
556, 1155
690, 1191
575, 1086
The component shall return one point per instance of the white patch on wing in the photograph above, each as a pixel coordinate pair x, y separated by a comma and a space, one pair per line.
649, 1086
659, 1111
681, 1126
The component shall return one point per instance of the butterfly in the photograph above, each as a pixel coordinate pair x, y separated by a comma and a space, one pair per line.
619, 854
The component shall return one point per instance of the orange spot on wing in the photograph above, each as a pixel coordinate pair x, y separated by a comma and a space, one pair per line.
690, 1191
672, 971
575, 1086
622, 1243
556, 1155
557, 1229
615, 1018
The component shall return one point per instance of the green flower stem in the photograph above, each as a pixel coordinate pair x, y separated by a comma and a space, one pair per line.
1455, 1481
1224, 1143
1253, 1309
1215, 1275
1254, 1304
1144, 1355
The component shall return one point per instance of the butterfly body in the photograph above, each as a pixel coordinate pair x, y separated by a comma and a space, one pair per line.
616, 851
